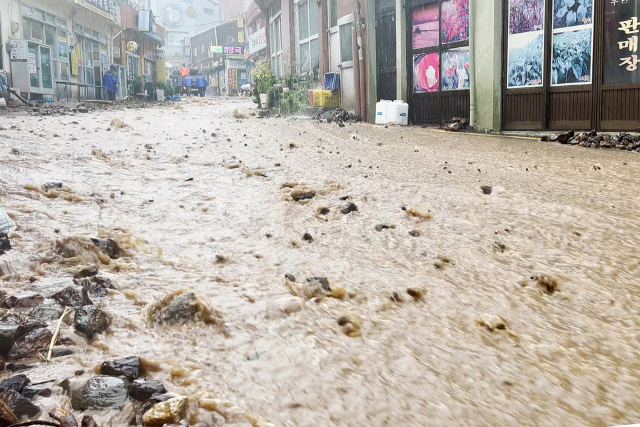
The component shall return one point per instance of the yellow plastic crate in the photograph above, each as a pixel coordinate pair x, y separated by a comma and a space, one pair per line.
325, 98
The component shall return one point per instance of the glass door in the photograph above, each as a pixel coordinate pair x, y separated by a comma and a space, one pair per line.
45, 67
33, 66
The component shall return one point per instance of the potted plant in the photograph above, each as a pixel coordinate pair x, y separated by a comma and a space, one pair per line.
264, 79
162, 89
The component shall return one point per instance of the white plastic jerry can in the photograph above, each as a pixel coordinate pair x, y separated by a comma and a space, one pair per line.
403, 113
382, 114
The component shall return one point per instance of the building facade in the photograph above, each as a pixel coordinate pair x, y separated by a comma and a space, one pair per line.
526, 65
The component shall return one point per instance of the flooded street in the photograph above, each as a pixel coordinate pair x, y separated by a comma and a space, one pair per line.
526, 308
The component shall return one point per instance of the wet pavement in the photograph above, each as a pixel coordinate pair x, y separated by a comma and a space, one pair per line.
525, 310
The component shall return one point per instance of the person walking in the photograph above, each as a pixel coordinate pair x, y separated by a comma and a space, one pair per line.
201, 84
110, 82
187, 83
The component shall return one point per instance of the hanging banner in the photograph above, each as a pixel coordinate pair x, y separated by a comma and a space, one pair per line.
144, 21
63, 52
258, 41
105, 8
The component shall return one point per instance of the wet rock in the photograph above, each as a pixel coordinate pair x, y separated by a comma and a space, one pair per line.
548, 284
11, 329
15, 367
564, 137
415, 233
72, 296
185, 306
30, 392
487, 189
381, 227
88, 421
24, 300
152, 401
128, 367
415, 293
302, 195
59, 351
108, 247
142, 389
168, 412
322, 281
31, 344
19, 405
290, 277
97, 286
90, 320
82, 110
99, 393
350, 325
307, 238
5, 243
491, 322
348, 208
15, 383
6, 268
46, 312
7, 417
87, 272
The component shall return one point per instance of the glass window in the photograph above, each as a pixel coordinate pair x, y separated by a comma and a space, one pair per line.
38, 14
26, 9
315, 54
346, 42
50, 19
333, 13
50, 35
620, 43
37, 32
303, 20
313, 18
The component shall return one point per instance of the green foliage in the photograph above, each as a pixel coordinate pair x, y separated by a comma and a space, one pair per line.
297, 97
168, 89
135, 85
272, 97
263, 77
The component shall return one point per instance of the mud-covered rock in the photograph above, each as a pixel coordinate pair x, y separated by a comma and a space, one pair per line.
152, 401
23, 300
100, 393
19, 405
168, 412
7, 417
72, 296
97, 286
90, 320
142, 389
31, 344
15, 383
46, 312
108, 246
31, 391
86, 272
9, 333
128, 367
348, 208
323, 281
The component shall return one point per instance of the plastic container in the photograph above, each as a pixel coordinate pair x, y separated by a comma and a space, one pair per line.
382, 112
332, 81
263, 100
6, 224
311, 97
398, 113
325, 98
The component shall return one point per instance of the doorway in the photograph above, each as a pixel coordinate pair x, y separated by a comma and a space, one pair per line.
386, 50
40, 70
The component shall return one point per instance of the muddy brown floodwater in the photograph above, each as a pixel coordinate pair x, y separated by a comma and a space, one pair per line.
203, 201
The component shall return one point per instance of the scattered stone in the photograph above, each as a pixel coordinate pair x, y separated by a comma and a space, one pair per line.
303, 195
491, 322
487, 189
142, 389
23, 300
350, 325
108, 246
99, 393
416, 293
51, 186
168, 412
97, 286
548, 284
87, 272
29, 345
322, 281
30, 392
185, 306
19, 405
58, 351
118, 124
415, 233
381, 227
221, 259
5, 243
128, 367
46, 312
90, 320
348, 208
88, 421
307, 238
72, 296
153, 400
442, 261
15, 383
323, 211
290, 277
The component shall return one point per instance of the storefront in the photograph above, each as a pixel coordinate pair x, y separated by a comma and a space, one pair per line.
571, 65
438, 60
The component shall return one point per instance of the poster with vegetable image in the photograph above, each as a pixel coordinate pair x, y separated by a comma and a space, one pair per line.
569, 13
455, 21
571, 63
426, 27
524, 63
455, 69
426, 73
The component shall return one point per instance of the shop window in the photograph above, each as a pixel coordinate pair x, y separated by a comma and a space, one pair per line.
621, 38
440, 40
275, 39
308, 43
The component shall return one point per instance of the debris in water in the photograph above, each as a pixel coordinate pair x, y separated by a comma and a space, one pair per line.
418, 213
168, 412
548, 284
118, 124
350, 325
415, 233
491, 322
348, 208
307, 238
499, 247
442, 261
302, 195
416, 293
381, 227
486, 189
240, 114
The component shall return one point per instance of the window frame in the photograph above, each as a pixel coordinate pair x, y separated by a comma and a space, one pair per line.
346, 20
276, 55
306, 42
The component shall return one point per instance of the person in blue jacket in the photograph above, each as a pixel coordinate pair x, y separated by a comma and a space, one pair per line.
201, 84
187, 83
110, 82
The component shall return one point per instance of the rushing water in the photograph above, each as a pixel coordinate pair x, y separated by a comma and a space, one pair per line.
567, 358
